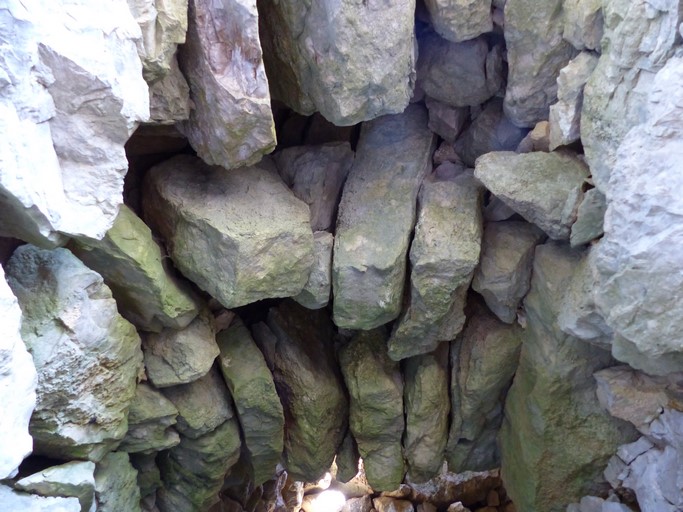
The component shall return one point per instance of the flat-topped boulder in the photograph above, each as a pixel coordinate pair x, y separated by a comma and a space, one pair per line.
460, 20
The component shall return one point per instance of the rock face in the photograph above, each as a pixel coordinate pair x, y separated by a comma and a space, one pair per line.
376, 216
169, 98
130, 261
544, 188
376, 409
116, 485
317, 290
150, 422
583, 23
241, 235
589, 218
460, 20
87, 356
231, 123
350, 61
19, 501
73, 479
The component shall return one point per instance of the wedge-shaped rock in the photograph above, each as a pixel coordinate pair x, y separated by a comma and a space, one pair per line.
258, 406
376, 217
116, 486
460, 20
376, 411
169, 98
483, 360
150, 421
298, 346
544, 188
87, 356
179, 357
590, 218
503, 275
583, 23
350, 61
426, 410
552, 405
535, 52
130, 261
446, 121
316, 292
443, 256
14, 500
74, 479
231, 123
241, 235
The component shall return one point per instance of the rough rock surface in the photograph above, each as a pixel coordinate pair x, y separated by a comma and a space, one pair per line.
446, 121
231, 123
169, 98
443, 256
116, 486
14, 500
376, 217
241, 235
460, 20
351, 61
502, 277
72, 479
590, 218
535, 52
376, 407
130, 261
150, 420
317, 290
87, 356
583, 23
258, 406
544, 188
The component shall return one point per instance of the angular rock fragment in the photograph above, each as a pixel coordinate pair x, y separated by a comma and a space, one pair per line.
347, 459
14, 500
241, 235
389, 504
116, 487
446, 121
87, 356
544, 188
589, 218
583, 23
316, 292
231, 123
460, 20
536, 139
73, 479
169, 98
376, 216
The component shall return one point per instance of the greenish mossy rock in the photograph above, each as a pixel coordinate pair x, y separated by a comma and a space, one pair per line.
150, 421
116, 484
149, 477
74, 479
316, 292
589, 218
14, 500
347, 459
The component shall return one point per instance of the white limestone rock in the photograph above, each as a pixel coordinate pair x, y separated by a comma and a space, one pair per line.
19, 501
460, 20
590, 218
583, 23
169, 97
73, 479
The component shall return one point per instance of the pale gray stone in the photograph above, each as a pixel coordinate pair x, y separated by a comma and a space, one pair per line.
631, 451
150, 422
583, 23
460, 20
87, 356
446, 121
350, 61
590, 218
376, 217
74, 479
449, 488
241, 235
316, 291
656, 478
116, 487
18, 501
537, 139
502, 277
388, 504
231, 123
544, 188
169, 98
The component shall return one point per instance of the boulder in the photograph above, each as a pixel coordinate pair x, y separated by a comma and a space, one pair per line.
388, 504
18, 501
544, 188
169, 98
350, 61
231, 123
87, 356
131, 263
376, 217
537, 139
590, 218
347, 459
18, 380
73, 479
460, 20
535, 56
502, 277
241, 235
446, 121
468, 488
583, 23
258, 406
180, 357
317, 290
443, 256
376, 416
116, 487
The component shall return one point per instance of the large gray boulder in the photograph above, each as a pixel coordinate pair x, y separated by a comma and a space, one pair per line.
231, 123
116, 486
18, 501
443, 256
73, 479
376, 416
87, 356
350, 61
150, 422
376, 217
241, 235
544, 188
460, 20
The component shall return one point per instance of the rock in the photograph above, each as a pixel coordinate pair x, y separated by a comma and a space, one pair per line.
589, 218
87, 356
258, 405
72, 94
18, 380
73, 479
149, 477
116, 486
565, 115
446, 121
425, 401
536, 139
531, 86
150, 422
241, 235
627, 453
496, 210
351, 62
552, 404
316, 291
460, 20
17, 501
363, 504
443, 256
544, 188
483, 361
297, 345
643, 236
459, 74
347, 459
376, 217
490, 131
316, 175
130, 261
387, 504
376, 417
446, 153
583, 23
180, 357
169, 98
468, 488
502, 277
231, 123
202, 405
